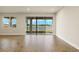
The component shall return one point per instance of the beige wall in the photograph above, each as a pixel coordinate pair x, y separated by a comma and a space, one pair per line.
20, 25
67, 25
20, 29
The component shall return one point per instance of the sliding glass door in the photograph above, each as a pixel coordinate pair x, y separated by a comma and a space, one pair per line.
39, 25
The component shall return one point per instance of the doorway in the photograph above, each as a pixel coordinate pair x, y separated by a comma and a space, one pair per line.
39, 24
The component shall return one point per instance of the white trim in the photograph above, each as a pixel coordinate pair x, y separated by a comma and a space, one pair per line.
73, 45
12, 34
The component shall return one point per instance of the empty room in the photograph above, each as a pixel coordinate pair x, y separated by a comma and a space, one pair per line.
39, 29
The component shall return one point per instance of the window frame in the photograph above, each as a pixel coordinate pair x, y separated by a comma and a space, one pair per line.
10, 26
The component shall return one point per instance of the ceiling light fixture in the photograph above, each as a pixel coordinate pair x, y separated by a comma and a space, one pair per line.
28, 9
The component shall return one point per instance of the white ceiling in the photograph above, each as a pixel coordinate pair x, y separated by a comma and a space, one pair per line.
29, 9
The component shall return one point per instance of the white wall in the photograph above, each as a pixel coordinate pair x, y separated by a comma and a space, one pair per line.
67, 25
20, 27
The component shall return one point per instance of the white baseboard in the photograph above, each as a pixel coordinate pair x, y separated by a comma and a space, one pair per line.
12, 34
73, 45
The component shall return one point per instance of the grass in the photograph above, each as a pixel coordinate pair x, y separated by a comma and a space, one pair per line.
41, 31
39, 25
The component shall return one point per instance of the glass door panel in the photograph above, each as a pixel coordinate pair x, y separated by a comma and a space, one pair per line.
41, 26
49, 23
28, 26
34, 27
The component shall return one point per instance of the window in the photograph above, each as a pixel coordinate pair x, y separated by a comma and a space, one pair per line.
5, 22
13, 22
9, 22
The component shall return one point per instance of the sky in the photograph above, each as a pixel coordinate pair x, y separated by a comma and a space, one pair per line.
6, 21
40, 21
14, 21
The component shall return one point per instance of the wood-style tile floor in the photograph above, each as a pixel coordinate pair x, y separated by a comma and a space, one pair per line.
34, 43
